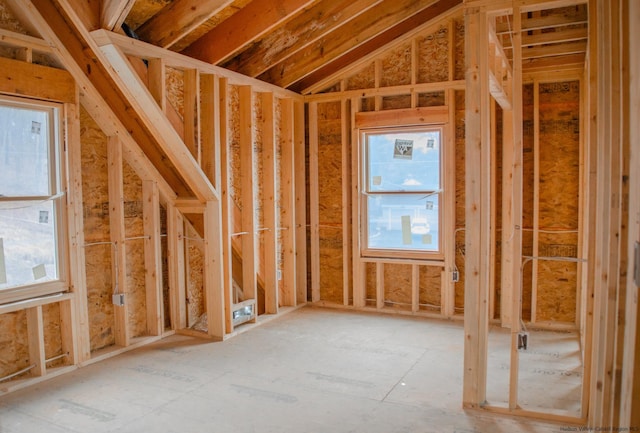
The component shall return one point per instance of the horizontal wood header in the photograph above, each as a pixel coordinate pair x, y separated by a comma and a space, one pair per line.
27, 79
402, 117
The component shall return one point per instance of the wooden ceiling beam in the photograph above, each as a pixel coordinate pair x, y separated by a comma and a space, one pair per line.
556, 63
113, 13
177, 19
576, 47
551, 38
241, 29
306, 79
551, 21
80, 58
296, 34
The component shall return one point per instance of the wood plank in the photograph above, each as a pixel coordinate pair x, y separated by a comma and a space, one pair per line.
292, 36
560, 36
554, 64
375, 28
345, 137
13, 39
191, 107
379, 285
213, 271
300, 219
156, 82
177, 19
314, 202
152, 257
562, 49
516, 203
287, 225
447, 294
301, 72
403, 117
114, 12
359, 268
210, 128
415, 288
75, 221
477, 181
536, 200
28, 79
176, 260
35, 332
242, 28
269, 201
227, 205
546, 22
68, 331
247, 168
117, 233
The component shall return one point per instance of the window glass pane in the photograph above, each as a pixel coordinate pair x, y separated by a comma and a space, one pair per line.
24, 152
403, 221
404, 161
28, 240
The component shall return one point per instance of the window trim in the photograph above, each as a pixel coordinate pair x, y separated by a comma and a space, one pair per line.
57, 182
363, 188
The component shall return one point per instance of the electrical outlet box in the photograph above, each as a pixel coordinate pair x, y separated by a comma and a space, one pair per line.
523, 340
118, 299
455, 276
279, 274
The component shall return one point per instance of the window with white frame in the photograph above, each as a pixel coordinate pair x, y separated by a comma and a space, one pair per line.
402, 186
30, 209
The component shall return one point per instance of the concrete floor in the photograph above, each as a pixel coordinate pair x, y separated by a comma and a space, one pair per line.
312, 370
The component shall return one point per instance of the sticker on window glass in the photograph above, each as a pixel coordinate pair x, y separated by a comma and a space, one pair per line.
377, 180
39, 271
36, 127
426, 239
3, 268
431, 143
44, 217
429, 205
406, 229
403, 149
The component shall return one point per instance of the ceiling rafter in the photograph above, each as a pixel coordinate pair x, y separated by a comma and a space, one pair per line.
551, 21
383, 38
113, 13
242, 28
296, 34
177, 19
364, 28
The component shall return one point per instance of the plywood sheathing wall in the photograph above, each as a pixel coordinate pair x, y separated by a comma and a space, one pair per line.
98, 249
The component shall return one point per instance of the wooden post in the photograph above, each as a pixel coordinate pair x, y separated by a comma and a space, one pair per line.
79, 326
269, 201
448, 289
35, 332
477, 215
345, 135
249, 268
359, 278
175, 246
152, 256
192, 113
227, 206
213, 270
379, 285
287, 205
116, 225
415, 288
314, 202
210, 128
300, 218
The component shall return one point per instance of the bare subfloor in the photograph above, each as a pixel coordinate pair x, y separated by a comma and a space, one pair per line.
312, 370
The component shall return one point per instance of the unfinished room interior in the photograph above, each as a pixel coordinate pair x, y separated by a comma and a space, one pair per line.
319, 215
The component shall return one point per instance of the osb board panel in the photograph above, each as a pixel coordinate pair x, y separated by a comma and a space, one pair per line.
430, 286
175, 89
330, 163
8, 21
431, 99
142, 10
135, 269
460, 195
397, 285
433, 54
558, 198
195, 278
258, 176
14, 344
363, 79
95, 196
208, 25
396, 67
281, 211
527, 193
233, 152
396, 102
331, 287
370, 284
557, 281
458, 61
52, 336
